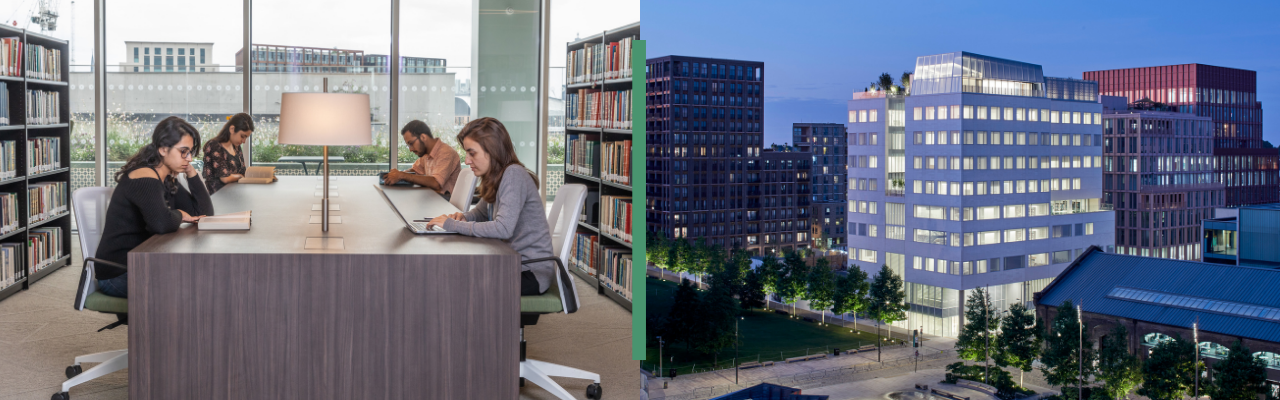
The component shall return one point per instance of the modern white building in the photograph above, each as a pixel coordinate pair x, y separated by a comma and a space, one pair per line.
985, 174
168, 57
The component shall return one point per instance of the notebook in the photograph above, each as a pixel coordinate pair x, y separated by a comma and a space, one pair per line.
239, 221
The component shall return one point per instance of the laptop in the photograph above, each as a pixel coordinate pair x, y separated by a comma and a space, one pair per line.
419, 228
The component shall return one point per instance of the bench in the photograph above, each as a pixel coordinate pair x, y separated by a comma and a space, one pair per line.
750, 365
979, 386
948, 395
306, 159
922, 387
806, 358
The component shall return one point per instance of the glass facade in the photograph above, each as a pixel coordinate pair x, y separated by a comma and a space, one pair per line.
963, 72
1070, 89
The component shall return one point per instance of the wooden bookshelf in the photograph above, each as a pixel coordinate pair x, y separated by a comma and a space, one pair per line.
597, 183
20, 131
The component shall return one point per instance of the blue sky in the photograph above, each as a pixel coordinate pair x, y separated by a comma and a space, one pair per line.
816, 53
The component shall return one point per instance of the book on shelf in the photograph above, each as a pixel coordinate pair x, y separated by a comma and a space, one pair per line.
616, 166
8, 159
45, 200
44, 154
259, 175
582, 255
598, 61
238, 221
590, 209
11, 56
42, 107
8, 212
582, 155
4, 103
11, 269
593, 108
615, 218
616, 274
43, 62
44, 246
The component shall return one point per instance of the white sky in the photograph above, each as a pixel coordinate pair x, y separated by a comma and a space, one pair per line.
429, 28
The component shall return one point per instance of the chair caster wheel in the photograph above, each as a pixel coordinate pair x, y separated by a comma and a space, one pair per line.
61, 396
521, 382
593, 391
74, 370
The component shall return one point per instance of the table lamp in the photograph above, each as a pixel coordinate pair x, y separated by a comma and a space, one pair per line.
325, 119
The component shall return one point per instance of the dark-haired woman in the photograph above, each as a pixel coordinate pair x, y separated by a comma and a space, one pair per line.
510, 206
223, 159
148, 200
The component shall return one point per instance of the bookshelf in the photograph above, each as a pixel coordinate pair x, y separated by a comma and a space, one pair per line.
604, 151
35, 153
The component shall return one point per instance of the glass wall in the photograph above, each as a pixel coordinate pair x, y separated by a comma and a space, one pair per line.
167, 67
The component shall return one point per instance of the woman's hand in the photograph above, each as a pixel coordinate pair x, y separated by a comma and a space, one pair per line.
188, 218
438, 221
457, 216
232, 178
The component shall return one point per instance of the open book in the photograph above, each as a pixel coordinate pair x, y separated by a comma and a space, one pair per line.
239, 221
259, 175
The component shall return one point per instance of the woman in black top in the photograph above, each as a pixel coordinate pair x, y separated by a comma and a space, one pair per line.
223, 159
148, 200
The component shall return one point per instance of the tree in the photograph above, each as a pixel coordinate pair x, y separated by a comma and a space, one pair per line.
683, 318
771, 273
1267, 145
1062, 357
888, 302
714, 327
751, 294
1018, 344
687, 257
1169, 373
656, 249
1118, 369
794, 282
821, 290
906, 81
974, 342
851, 293
1241, 376
885, 82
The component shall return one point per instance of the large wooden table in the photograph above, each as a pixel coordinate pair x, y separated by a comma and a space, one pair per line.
391, 315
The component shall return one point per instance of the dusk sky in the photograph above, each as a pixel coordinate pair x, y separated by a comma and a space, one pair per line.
816, 53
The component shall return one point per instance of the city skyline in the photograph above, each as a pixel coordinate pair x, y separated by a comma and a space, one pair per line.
843, 47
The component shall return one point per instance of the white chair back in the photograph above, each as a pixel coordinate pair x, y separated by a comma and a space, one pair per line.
563, 223
90, 205
463, 190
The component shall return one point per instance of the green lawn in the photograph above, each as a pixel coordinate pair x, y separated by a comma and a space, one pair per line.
765, 336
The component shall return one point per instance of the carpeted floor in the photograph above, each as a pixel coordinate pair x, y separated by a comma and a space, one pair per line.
40, 335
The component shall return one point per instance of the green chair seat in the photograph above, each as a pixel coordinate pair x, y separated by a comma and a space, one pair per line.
107, 304
545, 303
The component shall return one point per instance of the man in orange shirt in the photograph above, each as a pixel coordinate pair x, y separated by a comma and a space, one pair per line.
437, 166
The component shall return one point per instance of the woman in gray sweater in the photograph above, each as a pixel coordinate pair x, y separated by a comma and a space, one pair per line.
510, 206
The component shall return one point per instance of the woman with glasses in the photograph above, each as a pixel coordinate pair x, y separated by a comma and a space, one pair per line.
148, 200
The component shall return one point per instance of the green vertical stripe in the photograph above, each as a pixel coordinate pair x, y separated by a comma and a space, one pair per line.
638, 203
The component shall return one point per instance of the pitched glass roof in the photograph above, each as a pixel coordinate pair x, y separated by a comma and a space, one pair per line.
1196, 303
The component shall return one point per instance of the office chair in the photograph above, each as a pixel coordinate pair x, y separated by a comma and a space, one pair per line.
562, 296
463, 190
91, 212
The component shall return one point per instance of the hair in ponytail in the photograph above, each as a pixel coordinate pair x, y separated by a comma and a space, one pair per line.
242, 122
167, 134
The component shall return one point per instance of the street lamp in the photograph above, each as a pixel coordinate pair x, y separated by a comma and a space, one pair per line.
660, 343
735, 350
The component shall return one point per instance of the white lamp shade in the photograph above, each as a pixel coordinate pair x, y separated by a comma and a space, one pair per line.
325, 119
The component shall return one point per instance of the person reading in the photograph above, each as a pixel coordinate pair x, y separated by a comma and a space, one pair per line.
223, 157
510, 206
148, 200
437, 165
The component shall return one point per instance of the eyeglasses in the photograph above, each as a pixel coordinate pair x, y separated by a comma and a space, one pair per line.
186, 152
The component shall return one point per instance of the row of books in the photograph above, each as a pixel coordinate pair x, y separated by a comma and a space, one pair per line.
11, 269
43, 62
8, 159
616, 166
42, 107
4, 103
43, 154
44, 246
11, 56
615, 216
592, 108
582, 155
617, 271
8, 212
599, 61
45, 200
582, 255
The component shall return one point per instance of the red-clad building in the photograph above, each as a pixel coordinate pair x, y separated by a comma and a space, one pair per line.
1226, 95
